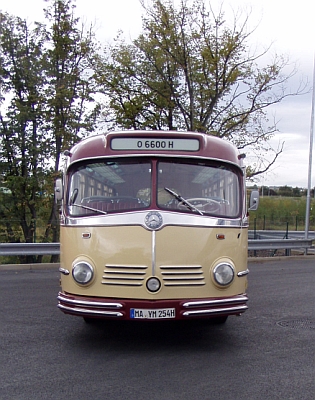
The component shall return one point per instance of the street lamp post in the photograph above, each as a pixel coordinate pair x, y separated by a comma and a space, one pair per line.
308, 197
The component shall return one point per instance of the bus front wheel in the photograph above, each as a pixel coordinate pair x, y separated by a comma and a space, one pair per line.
219, 320
89, 320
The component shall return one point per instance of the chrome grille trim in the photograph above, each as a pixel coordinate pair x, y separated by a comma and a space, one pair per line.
170, 218
182, 275
121, 283
124, 275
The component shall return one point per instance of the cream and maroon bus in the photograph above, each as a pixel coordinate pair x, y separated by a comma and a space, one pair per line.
153, 226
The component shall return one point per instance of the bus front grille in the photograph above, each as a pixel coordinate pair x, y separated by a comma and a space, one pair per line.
182, 275
124, 275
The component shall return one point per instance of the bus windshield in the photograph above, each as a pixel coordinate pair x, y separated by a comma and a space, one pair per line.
198, 187
181, 185
109, 186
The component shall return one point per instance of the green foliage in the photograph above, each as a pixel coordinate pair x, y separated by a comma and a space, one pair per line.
46, 100
275, 212
187, 70
289, 191
190, 70
69, 89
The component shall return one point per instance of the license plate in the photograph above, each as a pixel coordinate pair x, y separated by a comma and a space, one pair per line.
157, 313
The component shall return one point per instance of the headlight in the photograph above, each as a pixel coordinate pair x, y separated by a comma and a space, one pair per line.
153, 285
82, 272
223, 274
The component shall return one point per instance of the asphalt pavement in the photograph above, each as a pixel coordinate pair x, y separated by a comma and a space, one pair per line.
267, 353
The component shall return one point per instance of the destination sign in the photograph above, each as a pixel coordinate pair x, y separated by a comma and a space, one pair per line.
166, 144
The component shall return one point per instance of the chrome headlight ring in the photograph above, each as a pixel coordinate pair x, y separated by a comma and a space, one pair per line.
82, 272
223, 273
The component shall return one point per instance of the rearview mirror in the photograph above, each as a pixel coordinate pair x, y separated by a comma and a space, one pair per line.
254, 200
58, 189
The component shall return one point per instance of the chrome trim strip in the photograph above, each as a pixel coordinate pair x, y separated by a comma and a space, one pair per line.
243, 273
153, 252
87, 303
117, 283
64, 271
232, 300
225, 310
86, 312
169, 218
186, 284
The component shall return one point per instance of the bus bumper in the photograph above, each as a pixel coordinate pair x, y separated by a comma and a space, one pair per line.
129, 309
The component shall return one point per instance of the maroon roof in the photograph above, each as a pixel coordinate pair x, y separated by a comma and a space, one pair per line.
99, 146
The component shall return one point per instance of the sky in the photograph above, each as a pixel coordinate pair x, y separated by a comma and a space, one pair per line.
287, 26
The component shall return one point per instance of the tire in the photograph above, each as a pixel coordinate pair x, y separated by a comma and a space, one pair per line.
219, 320
89, 320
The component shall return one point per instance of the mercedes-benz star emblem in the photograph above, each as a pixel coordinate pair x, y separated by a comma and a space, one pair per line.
153, 220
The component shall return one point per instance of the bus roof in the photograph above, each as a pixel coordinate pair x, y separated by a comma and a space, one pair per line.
172, 143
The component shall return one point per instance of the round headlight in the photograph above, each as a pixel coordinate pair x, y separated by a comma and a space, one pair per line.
82, 272
223, 274
153, 284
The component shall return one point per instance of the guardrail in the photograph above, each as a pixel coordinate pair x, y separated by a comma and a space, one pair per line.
270, 234
276, 244
29, 249
17, 249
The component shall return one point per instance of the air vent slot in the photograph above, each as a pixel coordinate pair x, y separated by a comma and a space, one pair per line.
124, 275
182, 275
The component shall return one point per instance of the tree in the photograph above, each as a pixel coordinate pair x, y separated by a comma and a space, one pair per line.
21, 153
69, 86
46, 106
286, 191
188, 70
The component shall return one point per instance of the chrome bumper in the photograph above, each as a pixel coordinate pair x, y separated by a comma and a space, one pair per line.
226, 306
86, 308
194, 308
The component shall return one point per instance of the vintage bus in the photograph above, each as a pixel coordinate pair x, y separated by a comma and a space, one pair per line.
154, 225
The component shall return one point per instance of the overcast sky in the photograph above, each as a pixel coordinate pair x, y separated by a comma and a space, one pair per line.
289, 26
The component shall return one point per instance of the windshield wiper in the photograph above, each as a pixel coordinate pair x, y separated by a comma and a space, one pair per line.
184, 201
73, 198
90, 208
